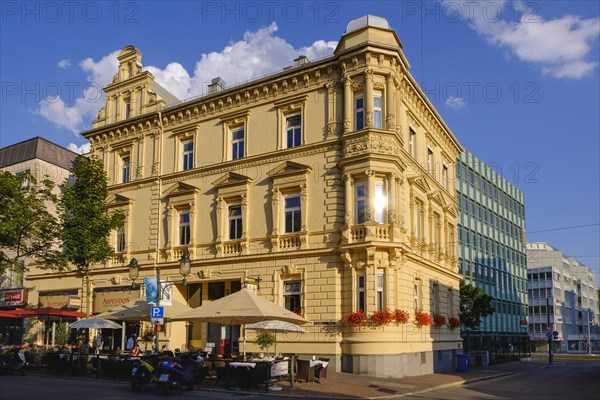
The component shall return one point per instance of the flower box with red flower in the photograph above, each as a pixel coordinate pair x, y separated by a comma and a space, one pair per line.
381, 317
355, 318
439, 320
454, 322
422, 318
401, 316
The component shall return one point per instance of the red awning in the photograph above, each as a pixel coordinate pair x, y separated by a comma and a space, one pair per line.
6, 314
45, 311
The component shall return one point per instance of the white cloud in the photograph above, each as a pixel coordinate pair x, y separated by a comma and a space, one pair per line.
259, 53
83, 149
64, 63
560, 46
455, 103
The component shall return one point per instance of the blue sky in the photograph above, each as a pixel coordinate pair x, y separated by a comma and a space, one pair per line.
517, 82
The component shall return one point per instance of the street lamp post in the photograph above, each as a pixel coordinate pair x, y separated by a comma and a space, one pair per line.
589, 337
184, 269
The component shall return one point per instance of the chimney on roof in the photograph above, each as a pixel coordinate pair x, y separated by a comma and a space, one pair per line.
300, 61
216, 85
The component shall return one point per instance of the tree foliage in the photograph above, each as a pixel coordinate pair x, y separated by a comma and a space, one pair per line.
84, 215
475, 304
28, 229
265, 339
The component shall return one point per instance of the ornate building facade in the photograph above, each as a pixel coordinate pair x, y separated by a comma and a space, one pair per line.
331, 181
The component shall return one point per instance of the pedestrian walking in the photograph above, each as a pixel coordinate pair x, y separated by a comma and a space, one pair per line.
131, 342
98, 342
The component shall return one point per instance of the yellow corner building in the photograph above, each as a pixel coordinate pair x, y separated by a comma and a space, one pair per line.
331, 181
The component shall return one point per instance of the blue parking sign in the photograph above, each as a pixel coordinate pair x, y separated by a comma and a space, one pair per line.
157, 312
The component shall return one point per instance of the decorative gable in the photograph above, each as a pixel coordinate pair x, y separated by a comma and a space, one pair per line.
420, 182
231, 179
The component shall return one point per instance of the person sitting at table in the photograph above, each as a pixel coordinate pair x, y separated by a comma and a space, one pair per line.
135, 352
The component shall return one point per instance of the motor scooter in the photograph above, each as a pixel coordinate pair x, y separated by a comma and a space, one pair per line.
172, 374
143, 372
13, 361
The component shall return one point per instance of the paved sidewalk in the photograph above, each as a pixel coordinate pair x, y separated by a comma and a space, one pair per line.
344, 385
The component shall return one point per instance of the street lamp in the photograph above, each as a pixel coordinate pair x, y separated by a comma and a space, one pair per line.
589, 337
184, 269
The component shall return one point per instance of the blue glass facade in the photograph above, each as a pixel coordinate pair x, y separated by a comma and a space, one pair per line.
491, 238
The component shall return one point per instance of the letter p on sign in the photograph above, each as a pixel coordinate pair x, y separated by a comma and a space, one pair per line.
156, 312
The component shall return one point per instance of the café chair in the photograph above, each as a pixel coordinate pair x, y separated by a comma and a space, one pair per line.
304, 372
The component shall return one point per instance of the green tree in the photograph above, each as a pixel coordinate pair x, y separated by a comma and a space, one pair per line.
28, 230
61, 334
85, 218
475, 304
265, 339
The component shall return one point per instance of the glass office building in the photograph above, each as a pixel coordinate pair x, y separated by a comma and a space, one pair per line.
492, 252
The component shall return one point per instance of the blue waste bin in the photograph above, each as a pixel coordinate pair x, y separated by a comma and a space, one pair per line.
462, 363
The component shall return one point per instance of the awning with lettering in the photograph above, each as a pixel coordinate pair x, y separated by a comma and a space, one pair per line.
58, 298
13, 297
106, 299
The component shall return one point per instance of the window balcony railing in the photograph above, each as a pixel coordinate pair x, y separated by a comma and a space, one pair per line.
233, 247
292, 241
118, 258
358, 233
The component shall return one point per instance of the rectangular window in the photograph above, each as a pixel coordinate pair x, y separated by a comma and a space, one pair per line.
235, 222
360, 203
294, 131
379, 288
430, 161
125, 168
292, 291
418, 220
435, 301
292, 214
417, 295
445, 176
184, 228
359, 113
412, 143
237, 143
188, 155
380, 203
121, 240
360, 291
378, 110
127, 109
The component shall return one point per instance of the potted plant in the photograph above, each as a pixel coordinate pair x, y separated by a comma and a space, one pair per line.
422, 318
147, 337
381, 317
454, 322
264, 340
401, 316
355, 318
439, 320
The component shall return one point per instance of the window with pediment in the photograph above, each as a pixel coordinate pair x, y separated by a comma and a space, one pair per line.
232, 213
289, 205
181, 217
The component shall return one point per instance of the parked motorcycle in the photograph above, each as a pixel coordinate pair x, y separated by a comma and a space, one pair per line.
13, 361
143, 372
174, 373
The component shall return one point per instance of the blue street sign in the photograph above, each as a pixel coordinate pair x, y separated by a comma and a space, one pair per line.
157, 312
549, 335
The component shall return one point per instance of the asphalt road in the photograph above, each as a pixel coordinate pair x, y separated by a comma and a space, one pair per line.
564, 380
561, 381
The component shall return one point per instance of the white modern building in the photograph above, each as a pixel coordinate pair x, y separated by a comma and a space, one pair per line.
563, 297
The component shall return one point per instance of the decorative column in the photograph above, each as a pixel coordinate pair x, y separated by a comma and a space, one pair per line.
390, 107
368, 99
391, 201
348, 218
139, 171
401, 117
370, 195
170, 225
348, 96
192, 206
219, 207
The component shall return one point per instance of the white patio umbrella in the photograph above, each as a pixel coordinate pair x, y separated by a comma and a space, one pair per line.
240, 308
94, 323
275, 326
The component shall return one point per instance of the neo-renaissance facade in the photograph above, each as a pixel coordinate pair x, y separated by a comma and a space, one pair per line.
331, 181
